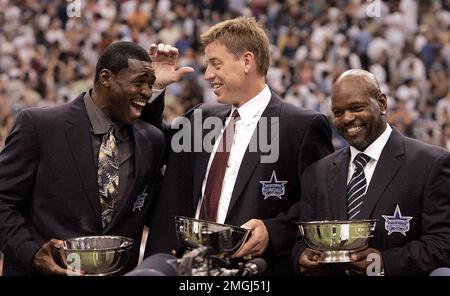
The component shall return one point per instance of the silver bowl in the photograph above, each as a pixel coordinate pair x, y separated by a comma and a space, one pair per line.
223, 239
336, 239
96, 255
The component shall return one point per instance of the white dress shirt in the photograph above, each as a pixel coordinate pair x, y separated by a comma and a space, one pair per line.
249, 115
373, 151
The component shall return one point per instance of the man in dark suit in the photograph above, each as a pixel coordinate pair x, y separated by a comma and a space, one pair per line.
401, 182
251, 176
89, 167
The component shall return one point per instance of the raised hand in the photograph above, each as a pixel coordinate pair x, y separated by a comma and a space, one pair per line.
164, 58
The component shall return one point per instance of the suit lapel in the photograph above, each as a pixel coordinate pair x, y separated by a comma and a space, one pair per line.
79, 139
202, 158
337, 185
387, 167
251, 159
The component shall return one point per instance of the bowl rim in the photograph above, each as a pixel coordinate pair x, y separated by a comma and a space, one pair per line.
129, 241
322, 222
245, 231
212, 222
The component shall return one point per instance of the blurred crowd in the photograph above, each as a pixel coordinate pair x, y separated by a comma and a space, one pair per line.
48, 51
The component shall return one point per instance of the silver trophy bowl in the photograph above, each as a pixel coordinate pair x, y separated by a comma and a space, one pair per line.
336, 239
96, 255
222, 239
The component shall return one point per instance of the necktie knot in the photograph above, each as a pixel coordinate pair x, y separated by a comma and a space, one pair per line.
361, 160
235, 114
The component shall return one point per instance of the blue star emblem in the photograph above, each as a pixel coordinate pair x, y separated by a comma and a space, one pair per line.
397, 222
140, 200
273, 187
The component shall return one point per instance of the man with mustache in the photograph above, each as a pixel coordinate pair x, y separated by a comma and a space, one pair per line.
88, 167
401, 182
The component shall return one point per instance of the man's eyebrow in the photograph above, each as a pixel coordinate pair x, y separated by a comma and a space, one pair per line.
144, 74
212, 60
357, 103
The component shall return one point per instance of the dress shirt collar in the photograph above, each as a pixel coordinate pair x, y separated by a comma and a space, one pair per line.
254, 107
373, 150
100, 122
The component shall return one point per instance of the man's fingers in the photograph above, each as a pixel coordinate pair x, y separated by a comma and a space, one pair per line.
47, 247
312, 255
183, 71
164, 48
309, 261
362, 254
359, 251
160, 47
250, 224
75, 272
173, 52
43, 259
57, 270
244, 250
57, 243
153, 49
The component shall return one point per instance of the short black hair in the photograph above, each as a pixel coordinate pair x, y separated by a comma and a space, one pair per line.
115, 57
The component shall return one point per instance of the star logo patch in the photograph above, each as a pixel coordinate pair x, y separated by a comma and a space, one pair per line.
397, 222
273, 187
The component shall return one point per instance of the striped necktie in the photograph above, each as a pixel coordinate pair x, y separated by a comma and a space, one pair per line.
356, 188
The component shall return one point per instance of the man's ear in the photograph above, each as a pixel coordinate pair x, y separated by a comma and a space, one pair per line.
249, 61
104, 77
382, 102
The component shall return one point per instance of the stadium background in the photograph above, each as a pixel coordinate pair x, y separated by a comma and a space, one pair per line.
48, 51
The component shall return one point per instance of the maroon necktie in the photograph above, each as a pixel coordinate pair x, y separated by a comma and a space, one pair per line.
214, 181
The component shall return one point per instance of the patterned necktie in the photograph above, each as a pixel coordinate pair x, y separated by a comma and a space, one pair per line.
108, 176
214, 182
356, 188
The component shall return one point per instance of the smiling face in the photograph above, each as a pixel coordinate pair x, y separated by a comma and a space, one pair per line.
129, 91
358, 118
226, 73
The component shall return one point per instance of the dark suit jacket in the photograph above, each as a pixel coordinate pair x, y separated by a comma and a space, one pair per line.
411, 174
48, 183
304, 137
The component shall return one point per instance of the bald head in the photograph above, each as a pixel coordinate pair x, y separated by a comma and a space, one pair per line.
363, 80
359, 108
